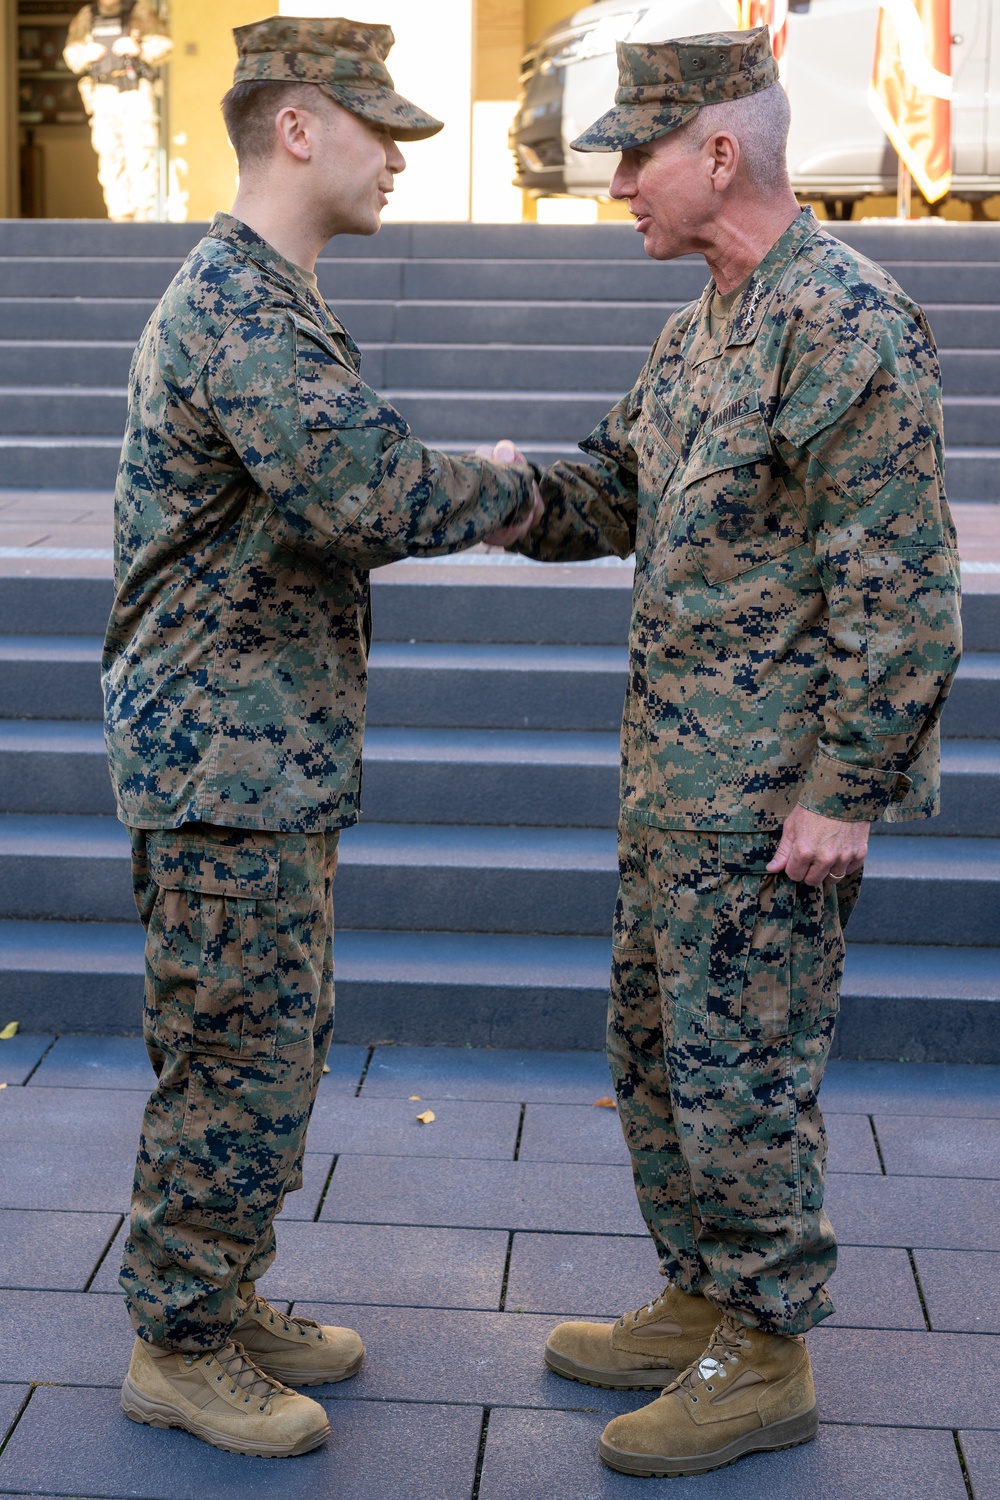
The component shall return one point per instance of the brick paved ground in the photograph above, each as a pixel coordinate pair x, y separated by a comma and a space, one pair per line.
453, 1247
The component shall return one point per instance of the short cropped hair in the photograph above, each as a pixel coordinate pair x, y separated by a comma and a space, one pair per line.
760, 123
249, 110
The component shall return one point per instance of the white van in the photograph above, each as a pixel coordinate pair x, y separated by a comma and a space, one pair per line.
836, 151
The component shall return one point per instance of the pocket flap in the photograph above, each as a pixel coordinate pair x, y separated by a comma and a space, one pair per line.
829, 390
654, 438
183, 862
743, 441
331, 394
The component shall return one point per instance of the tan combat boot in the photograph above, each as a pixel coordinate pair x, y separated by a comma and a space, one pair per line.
223, 1398
644, 1351
749, 1391
295, 1351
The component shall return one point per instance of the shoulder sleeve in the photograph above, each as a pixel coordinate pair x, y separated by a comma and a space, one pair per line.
855, 417
860, 431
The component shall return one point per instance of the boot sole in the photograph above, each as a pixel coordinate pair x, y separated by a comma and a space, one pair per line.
609, 1380
289, 1375
787, 1434
139, 1407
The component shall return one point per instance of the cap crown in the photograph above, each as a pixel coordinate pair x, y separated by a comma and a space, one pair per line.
661, 85
346, 59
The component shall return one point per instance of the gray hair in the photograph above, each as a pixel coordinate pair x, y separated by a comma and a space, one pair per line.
760, 124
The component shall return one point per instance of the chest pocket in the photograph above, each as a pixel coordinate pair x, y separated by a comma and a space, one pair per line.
655, 442
737, 511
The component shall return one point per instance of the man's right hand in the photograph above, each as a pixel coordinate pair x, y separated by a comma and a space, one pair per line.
506, 452
92, 52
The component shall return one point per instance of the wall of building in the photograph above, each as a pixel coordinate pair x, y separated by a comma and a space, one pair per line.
202, 162
8, 109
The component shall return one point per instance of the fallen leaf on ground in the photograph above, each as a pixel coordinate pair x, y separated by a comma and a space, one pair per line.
427, 1118
326, 1067
604, 1103
414, 1098
3, 1085
9, 1030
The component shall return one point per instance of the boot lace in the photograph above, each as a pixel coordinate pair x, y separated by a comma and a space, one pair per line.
715, 1364
271, 1315
649, 1308
242, 1374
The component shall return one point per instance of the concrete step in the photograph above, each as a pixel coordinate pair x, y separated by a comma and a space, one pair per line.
542, 278
972, 377
922, 1004
49, 462
535, 415
128, 276
461, 776
435, 877
475, 596
960, 330
33, 363
448, 878
884, 242
442, 685
123, 318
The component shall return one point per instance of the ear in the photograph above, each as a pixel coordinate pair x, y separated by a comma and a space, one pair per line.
293, 128
723, 150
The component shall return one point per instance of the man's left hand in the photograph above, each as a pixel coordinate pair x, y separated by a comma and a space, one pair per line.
125, 46
814, 848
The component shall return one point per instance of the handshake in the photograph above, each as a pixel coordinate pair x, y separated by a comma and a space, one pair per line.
505, 452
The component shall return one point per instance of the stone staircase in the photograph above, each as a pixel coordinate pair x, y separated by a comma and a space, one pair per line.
474, 900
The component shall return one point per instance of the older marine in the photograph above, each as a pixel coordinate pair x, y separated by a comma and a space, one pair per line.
777, 469
260, 479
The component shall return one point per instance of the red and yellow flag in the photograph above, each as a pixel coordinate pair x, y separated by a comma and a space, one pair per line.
910, 90
770, 13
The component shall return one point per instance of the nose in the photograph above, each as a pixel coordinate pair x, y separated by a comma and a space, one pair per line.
394, 158
623, 182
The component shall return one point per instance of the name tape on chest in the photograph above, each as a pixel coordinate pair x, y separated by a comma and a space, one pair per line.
734, 410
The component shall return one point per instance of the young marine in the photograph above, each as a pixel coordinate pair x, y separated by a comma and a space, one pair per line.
777, 469
260, 479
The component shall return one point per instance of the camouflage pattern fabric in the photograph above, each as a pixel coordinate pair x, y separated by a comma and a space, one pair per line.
795, 624
663, 84
723, 1000
125, 131
260, 479
346, 59
237, 1021
143, 23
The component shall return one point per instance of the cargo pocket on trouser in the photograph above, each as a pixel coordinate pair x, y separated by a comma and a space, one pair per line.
211, 947
744, 1097
233, 993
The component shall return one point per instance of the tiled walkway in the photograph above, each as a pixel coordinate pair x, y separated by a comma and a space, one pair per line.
453, 1247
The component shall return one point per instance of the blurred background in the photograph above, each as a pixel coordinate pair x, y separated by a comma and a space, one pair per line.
514, 80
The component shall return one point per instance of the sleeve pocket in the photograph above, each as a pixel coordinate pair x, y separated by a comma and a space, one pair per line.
912, 618
856, 419
330, 393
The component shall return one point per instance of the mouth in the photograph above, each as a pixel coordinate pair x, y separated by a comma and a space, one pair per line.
642, 221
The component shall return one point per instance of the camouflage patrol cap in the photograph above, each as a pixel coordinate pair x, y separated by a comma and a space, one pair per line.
661, 85
346, 59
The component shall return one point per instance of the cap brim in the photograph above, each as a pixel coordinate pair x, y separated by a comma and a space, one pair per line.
382, 106
628, 125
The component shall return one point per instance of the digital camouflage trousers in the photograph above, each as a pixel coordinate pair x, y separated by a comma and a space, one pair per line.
238, 1018
724, 993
